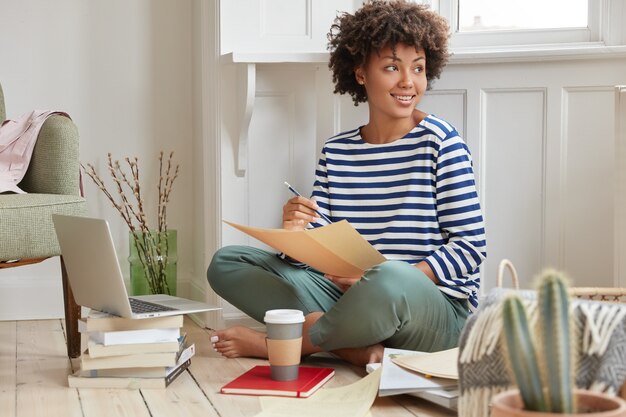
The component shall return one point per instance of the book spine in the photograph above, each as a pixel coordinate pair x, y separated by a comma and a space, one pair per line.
135, 336
140, 361
97, 350
176, 372
109, 324
187, 353
152, 372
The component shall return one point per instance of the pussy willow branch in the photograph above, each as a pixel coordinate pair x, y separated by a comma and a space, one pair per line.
134, 212
154, 265
160, 201
136, 190
119, 178
164, 190
152, 248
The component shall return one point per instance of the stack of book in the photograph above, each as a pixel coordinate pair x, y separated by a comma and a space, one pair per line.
131, 353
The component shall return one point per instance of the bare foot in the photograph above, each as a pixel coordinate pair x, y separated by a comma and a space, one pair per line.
361, 356
239, 341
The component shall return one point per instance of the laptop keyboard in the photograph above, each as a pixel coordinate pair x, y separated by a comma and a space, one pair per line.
140, 306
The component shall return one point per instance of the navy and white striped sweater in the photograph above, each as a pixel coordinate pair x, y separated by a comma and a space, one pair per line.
413, 199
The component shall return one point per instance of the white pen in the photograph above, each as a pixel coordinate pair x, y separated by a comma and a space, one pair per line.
293, 190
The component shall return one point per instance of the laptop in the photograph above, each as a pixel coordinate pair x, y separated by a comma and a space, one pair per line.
96, 278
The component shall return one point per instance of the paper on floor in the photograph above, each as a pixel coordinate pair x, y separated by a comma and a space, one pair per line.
352, 400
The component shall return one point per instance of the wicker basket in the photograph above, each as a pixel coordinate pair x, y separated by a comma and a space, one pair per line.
607, 294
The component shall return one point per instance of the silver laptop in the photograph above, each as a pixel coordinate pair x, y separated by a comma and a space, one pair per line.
96, 278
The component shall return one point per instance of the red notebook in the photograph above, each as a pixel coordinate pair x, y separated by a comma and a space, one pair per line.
257, 381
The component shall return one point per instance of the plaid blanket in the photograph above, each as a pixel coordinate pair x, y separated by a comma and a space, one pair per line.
483, 370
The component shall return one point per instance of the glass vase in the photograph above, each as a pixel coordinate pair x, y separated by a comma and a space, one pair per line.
153, 260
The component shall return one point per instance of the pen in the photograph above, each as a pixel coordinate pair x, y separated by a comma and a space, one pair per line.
293, 190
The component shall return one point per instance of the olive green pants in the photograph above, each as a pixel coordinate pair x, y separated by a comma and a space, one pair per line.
394, 303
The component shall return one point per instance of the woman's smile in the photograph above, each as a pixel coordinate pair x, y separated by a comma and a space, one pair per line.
404, 99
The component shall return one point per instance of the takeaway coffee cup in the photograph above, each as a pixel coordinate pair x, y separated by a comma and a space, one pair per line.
284, 342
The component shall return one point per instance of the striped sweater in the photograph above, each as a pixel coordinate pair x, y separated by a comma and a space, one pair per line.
413, 199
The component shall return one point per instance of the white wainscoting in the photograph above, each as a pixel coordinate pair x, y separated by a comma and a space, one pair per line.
513, 177
543, 137
620, 189
589, 179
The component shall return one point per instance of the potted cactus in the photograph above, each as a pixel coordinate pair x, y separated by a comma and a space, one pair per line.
542, 360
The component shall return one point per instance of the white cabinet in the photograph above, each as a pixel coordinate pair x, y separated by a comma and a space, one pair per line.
278, 25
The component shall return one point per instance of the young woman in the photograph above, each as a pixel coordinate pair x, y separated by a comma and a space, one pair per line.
404, 181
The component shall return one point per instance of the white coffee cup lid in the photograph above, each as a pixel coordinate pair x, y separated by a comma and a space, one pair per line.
284, 316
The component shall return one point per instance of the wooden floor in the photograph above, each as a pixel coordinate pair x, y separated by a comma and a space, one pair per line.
34, 369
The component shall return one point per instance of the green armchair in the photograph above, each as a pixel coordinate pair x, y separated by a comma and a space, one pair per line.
52, 185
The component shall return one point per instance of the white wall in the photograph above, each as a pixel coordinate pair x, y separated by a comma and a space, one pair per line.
123, 71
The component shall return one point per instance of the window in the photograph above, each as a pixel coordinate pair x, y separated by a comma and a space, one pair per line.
499, 15
530, 24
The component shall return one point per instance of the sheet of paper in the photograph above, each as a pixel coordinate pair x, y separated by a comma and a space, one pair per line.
337, 249
352, 400
398, 380
447, 397
441, 364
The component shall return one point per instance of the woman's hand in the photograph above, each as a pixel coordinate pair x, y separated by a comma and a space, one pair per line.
344, 283
298, 212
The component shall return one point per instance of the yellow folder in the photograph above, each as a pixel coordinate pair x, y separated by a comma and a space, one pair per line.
336, 249
441, 364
